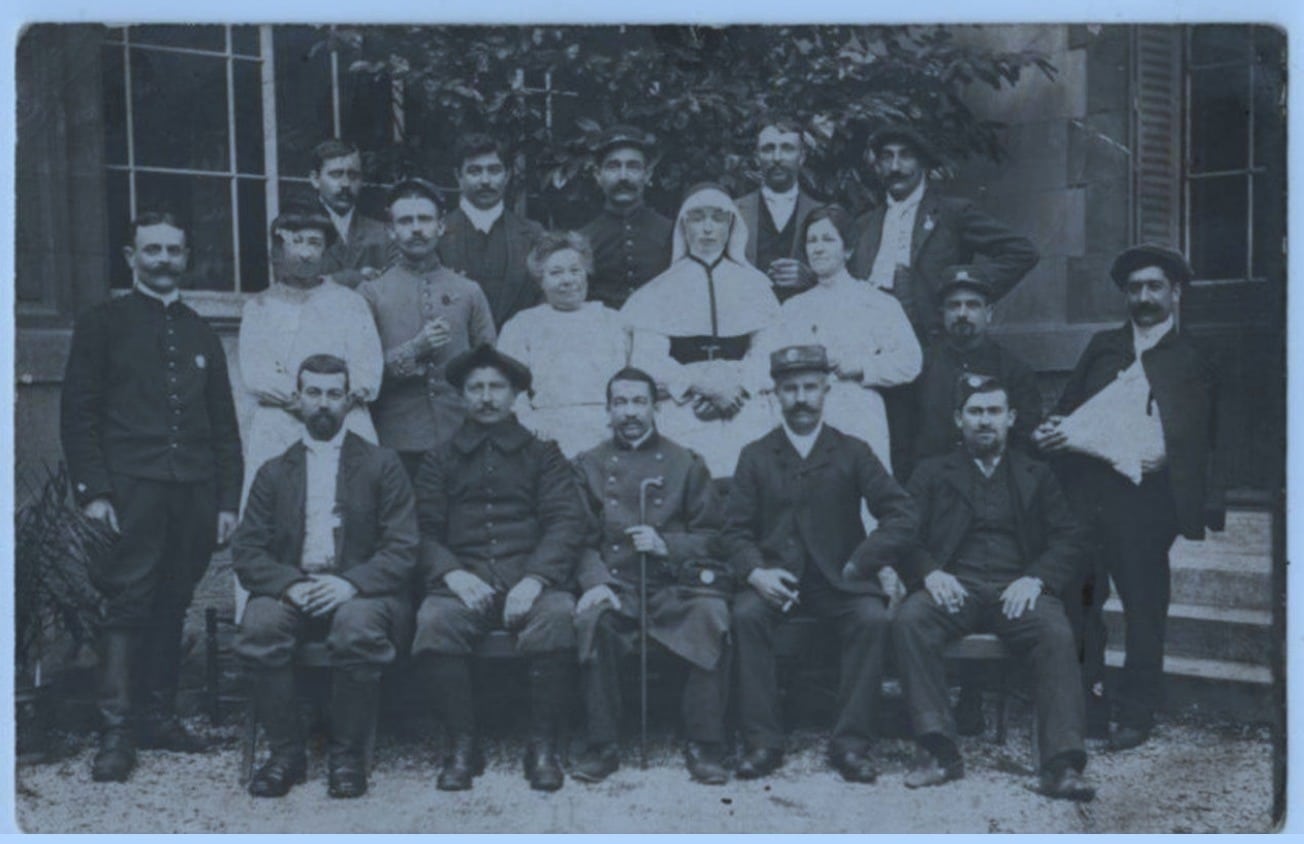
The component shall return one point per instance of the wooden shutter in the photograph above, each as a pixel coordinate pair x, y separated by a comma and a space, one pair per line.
1157, 134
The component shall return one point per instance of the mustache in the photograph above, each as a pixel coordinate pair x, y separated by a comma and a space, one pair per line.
624, 185
803, 408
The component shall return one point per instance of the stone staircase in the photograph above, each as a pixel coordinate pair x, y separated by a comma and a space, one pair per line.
1220, 618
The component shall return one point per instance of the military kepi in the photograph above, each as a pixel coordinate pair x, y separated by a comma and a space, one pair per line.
799, 359
968, 276
516, 373
1172, 262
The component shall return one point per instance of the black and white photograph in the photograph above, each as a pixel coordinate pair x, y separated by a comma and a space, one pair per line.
631, 428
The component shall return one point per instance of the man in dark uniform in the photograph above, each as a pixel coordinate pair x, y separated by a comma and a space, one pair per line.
792, 528
687, 611
631, 242
1140, 469
363, 249
501, 529
998, 543
149, 432
776, 213
327, 545
482, 239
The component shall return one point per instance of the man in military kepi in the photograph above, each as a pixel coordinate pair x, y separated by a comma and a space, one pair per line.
687, 612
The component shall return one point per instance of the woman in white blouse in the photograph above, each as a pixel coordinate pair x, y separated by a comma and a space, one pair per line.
571, 346
866, 332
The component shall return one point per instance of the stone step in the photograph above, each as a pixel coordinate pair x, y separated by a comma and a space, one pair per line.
1212, 587
1246, 545
1204, 669
1203, 632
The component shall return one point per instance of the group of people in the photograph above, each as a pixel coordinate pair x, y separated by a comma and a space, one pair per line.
761, 409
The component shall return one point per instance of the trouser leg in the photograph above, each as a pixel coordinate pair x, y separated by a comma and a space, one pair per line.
355, 698
754, 622
274, 705
450, 679
551, 679
601, 679
919, 634
116, 679
705, 700
862, 622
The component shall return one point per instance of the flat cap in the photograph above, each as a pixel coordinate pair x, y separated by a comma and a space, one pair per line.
1172, 262
460, 367
623, 135
799, 359
970, 276
901, 133
414, 185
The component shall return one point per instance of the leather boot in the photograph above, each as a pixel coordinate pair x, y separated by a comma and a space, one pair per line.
463, 762
551, 678
116, 756
355, 698
160, 670
274, 704
448, 677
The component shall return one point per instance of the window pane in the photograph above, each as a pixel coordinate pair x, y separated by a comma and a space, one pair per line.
244, 40
1218, 227
1219, 43
115, 106
204, 204
253, 236
1269, 228
1219, 119
179, 110
207, 37
303, 96
119, 219
248, 116
1269, 122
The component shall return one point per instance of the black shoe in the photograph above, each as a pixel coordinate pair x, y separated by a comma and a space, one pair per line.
854, 765
597, 763
168, 733
759, 762
1066, 784
969, 720
705, 763
348, 778
462, 763
1126, 738
930, 771
542, 767
278, 775
116, 757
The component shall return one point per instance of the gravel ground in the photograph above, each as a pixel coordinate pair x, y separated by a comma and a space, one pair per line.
1188, 779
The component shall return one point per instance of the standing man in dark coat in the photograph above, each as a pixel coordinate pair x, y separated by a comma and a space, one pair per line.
631, 242
426, 315
363, 248
907, 243
326, 545
149, 432
687, 610
999, 542
1134, 429
793, 527
776, 213
501, 530
482, 239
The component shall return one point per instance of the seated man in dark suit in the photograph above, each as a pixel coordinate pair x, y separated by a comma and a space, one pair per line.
327, 544
793, 524
998, 542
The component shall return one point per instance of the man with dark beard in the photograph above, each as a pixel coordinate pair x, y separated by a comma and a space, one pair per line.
998, 541
326, 546
149, 432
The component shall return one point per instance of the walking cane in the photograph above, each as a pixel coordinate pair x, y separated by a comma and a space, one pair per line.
657, 482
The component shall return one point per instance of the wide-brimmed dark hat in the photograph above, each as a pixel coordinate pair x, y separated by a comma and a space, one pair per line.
1172, 262
901, 133
968, 276
516, 373
799, 359
623, 135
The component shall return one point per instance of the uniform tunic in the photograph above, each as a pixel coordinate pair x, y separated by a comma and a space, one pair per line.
629, 249
278, 329
571, 355
418, 409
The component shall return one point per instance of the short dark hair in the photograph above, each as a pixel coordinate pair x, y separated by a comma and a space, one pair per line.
331, 148
969, 384
414, 188
475, 144
550, 242
840, 218
322, 364
782, 122
633, 373
155, 218
299, 217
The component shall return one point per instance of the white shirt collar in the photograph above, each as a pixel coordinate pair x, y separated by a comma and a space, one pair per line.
1144, 337
772, 196
804, 443
341, 221
781, 205
638, 443
166, 298
481, 221
996, 464
911, 200
323, 447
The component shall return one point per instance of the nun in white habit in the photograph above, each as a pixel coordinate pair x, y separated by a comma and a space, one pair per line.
692, 329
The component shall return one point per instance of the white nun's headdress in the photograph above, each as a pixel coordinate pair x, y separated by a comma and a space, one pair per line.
711, 195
